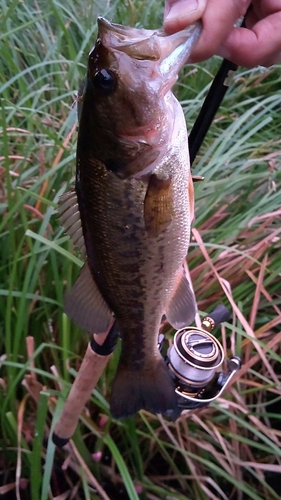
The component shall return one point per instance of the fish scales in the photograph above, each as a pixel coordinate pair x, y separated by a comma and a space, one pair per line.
147, 276
134, 193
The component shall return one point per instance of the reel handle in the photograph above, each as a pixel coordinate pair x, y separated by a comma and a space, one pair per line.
215, 318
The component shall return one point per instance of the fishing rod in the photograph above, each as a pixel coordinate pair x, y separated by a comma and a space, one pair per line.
210, 107
195, 355
211, 104
193, 361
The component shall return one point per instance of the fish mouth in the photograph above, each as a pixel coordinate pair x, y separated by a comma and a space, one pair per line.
137, 43
170, 52
125, 33
176, 48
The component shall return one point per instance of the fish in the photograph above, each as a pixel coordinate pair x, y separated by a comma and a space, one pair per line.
131, 210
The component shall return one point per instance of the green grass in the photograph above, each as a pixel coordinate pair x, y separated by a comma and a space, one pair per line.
230, 450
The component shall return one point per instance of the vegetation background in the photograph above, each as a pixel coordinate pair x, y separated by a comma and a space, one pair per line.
230, 450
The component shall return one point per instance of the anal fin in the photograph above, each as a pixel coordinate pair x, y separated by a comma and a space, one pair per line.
182, 307
85, 305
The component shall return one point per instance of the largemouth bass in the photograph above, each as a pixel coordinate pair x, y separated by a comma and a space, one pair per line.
131, 211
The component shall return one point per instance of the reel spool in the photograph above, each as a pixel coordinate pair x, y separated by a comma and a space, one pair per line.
194, 357
194, 360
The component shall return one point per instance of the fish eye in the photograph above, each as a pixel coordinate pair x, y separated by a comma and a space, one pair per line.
105, 81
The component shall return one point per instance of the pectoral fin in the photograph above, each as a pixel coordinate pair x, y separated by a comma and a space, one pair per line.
69, 217
85, 306
158, 205
191, 198
182, 307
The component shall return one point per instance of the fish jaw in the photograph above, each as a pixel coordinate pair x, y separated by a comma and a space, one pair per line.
175, 52
127, 99
168, 52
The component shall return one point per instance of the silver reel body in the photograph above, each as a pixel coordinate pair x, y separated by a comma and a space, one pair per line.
195, 360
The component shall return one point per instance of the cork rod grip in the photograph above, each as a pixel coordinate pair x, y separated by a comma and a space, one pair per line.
90, 371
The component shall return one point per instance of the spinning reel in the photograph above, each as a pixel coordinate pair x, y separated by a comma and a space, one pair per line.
194, 360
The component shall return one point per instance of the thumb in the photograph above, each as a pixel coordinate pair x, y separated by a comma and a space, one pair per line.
180, 13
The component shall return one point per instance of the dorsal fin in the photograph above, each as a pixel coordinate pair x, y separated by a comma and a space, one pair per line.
69, 217
80, 97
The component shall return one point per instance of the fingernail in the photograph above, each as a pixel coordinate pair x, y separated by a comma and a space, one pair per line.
181, 10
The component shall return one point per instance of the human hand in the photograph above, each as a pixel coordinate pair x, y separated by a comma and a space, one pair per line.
258, 43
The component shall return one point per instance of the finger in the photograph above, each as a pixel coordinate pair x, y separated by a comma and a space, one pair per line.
218, 20
264, 8
259, 46
181, 13
260, 9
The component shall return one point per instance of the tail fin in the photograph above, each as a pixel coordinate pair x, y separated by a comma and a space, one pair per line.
149, 388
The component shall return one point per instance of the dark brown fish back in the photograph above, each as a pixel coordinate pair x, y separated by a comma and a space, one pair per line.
131, 268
